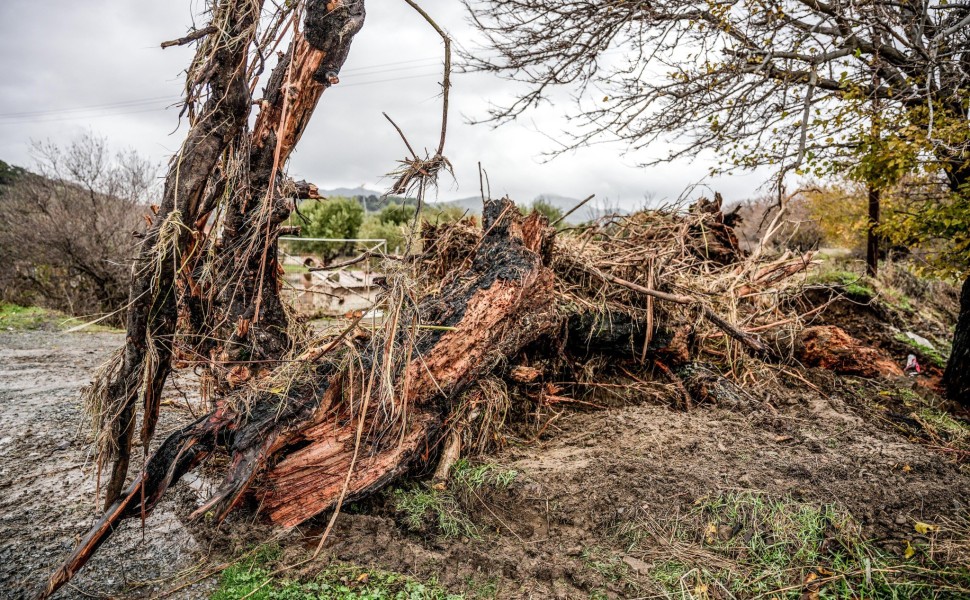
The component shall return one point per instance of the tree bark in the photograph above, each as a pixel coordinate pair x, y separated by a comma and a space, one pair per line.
234, 312
872, 238
152, 312
956, 376
242, 318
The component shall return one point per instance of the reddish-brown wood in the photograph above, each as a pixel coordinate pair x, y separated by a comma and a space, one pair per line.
310, 480
297, 451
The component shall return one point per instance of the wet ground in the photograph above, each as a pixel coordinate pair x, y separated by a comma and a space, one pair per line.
47, 481
810, 439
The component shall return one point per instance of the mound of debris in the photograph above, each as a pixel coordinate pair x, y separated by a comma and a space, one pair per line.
484, 327
830, 347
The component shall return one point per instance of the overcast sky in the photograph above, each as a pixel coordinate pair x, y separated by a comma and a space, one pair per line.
72, 66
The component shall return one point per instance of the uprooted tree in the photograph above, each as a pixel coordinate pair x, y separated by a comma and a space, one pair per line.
311, 421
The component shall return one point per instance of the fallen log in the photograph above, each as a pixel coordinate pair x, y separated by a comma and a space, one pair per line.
363, 417
355, 410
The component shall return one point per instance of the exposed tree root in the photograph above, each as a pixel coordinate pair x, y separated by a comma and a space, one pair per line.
369, 413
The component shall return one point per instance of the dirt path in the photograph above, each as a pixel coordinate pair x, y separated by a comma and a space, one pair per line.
46, 482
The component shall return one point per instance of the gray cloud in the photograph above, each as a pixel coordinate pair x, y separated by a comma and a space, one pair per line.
70, 66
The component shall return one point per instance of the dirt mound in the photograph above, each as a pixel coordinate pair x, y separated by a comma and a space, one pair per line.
561, 530
574, 522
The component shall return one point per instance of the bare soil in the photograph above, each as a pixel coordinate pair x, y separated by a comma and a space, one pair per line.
815, 437
47, 481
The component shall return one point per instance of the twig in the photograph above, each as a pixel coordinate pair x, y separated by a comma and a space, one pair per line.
573, 209
750, 341
198, 33
414, 154
648, 337
446, 79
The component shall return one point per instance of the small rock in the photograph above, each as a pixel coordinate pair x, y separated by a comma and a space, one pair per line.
922, 341
638, 565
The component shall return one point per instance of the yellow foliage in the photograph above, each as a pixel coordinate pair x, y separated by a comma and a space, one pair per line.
925, 528
840, 210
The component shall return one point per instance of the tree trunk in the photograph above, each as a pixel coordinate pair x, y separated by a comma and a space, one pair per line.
956, 376
234, 313
872, 238
355, 420
152, 311
240, 317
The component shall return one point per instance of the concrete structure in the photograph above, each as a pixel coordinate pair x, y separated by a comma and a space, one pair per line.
334, 293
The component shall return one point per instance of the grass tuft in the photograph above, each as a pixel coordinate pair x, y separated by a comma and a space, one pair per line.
853, 285
930, 354
14, 317
952, 430
444, 509
749, 545
253, 579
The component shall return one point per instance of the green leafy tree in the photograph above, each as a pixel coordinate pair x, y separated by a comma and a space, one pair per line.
9, 174
396, 214
374, 228
790, 83
335, 217
934, 222
390, 224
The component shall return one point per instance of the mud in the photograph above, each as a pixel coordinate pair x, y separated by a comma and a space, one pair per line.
816, 439
47, 480
600, 470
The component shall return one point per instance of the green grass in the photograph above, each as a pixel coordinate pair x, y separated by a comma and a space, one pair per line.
254, 579
484, 589
27, 318
748, 545
930, 354
444, 509
607, 564
21, 318
954, 431
851, 284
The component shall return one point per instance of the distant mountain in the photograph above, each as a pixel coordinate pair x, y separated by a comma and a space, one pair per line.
350, 192
473, 204
588, 212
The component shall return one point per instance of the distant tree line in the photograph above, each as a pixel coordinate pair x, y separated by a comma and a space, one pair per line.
369, 217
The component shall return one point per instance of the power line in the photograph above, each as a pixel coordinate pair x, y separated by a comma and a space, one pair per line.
57, 116
109, 105
55, 119
362, 71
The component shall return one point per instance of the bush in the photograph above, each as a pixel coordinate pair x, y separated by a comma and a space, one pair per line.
550, 212
66, 231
